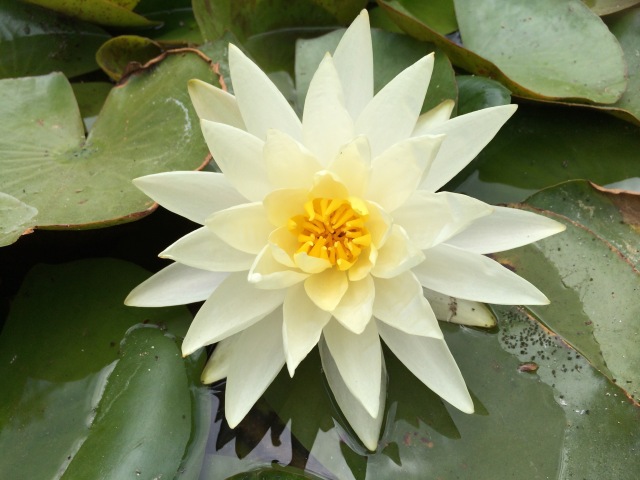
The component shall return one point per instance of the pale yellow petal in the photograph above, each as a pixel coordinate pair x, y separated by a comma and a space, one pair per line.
397, 255
244, 227
267, 273
327, 288
356, 307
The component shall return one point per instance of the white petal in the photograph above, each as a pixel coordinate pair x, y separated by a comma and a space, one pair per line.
256, 359
205, 250
283, 246
392, 114
326, 124
397, 172
463, 312
234, 306
366, 427
466, 135
352, 165
267, 273
261, 103
245, 227
356, 307
303, 324
289, 164
193, 195
397, 255
283, 204
212, 103
327, 288
504, 229
239, 156
432, 218
471, 276
430, 360
434, 117
217, 366
400, 303
364, 264
310, 264
353, 59
358, 358
176, 284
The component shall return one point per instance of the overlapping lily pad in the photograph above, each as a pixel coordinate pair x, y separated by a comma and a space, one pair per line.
77, 399
116, 13
17, 219
147, 125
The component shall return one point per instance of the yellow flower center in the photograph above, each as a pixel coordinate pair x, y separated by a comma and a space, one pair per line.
332, 229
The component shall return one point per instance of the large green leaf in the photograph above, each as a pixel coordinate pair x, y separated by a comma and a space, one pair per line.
591, 273
392, 53
557, 48
476, 93
34, 41
17, 219
73, 397
147, 125
115, 55
246, 18
541, 146
606, 7
115, 13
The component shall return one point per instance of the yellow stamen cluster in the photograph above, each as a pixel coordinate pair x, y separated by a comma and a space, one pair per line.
331, 229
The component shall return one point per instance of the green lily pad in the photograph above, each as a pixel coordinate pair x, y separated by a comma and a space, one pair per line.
606, 7
476, 93
542, 146
246, 18
34, 41
16, 219
594, 303
440, 13
115, 55
114, 13
557, 48
421, 28
392, 53
147, 125
67, 385
90, 97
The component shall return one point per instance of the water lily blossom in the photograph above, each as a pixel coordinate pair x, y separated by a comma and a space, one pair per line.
328, 231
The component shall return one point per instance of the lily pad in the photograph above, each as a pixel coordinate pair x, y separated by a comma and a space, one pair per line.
550, 46
246, 18
34, 41
392, 53
594, 307
115, 55
476, 93
67, 385
114, 13
90, 97
147, 125
606, 7
16, 219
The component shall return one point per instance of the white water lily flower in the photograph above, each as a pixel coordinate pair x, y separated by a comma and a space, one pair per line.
325, 231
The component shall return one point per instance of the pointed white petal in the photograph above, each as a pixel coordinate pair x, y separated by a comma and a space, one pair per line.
466, 135
366, 427
239, 156
352, 165
432, 218
261, 103
235, 305
283, 204
353, 59
326, 124
289, 164
504, 229
463, 312
434, 117
283, 246
212, 103
176, 284
310, 264
392, 114
397, 172
267, 273
217, 366
430, 360
356, 307
471, 276
400, 303
358, 358
303, 324
397, 255
327, 288
256, 359
364, 264
193, 195
205, 250
245, 227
